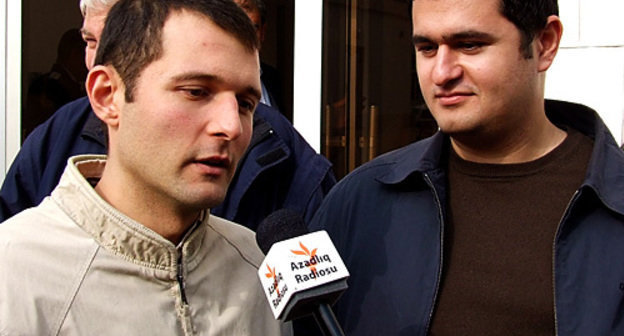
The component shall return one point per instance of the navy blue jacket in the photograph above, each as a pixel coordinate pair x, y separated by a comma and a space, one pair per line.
387, 219
280, 169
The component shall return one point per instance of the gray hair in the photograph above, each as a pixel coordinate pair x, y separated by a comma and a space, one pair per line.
95, 4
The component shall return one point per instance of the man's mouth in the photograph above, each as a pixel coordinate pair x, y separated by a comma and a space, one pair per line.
214, 162
452, 98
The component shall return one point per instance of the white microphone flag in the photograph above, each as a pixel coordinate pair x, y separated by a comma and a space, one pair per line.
297, 264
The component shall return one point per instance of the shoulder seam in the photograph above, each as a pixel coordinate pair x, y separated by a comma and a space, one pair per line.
78, 283
243, 255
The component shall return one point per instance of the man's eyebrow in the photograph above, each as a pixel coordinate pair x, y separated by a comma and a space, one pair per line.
189, 76
459, 36
419, 39
469, 35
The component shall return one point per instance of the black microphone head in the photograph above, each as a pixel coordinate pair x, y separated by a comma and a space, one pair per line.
280, 225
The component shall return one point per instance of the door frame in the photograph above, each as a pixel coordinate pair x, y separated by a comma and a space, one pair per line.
10, 82
308, 58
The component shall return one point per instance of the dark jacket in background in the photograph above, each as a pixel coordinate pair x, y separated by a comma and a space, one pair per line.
279, 170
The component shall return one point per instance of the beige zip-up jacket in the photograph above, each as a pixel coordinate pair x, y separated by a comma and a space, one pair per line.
74, 265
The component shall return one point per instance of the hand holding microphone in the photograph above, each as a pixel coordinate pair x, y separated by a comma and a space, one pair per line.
302, 272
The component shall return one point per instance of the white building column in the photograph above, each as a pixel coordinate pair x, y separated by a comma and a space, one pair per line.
10, 82
308, 70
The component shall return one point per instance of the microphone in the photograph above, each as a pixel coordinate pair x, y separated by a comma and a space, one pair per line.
302, 272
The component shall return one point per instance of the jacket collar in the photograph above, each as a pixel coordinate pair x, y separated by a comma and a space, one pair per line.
605, 171
417, 158
605, 175
113, 230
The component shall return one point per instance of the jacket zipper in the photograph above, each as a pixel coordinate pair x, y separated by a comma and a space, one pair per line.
554, 248
180, 265
439, 279
183, 311
180, 278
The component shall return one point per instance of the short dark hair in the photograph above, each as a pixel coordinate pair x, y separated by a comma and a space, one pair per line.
132, 35
530, 17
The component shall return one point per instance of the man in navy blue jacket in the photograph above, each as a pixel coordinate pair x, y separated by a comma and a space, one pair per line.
279, 169
509, 220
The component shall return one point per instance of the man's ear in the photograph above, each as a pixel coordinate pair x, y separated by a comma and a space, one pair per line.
548, 42
104, 86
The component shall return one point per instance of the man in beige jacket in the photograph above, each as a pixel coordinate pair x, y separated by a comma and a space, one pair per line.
123, 246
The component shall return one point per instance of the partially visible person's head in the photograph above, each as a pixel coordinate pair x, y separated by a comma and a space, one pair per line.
94, 14
86, 5
529, 16
256, 11
132, 37
176, 82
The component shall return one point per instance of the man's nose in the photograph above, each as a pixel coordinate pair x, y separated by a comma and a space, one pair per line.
225, 120
446, 68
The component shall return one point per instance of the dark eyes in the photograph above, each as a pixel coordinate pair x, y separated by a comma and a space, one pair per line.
426, 49
245, 105
468, 47
195, 93
90, 41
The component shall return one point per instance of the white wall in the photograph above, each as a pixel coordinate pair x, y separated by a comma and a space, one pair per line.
589, 68
3, 15
308, 70
10, 65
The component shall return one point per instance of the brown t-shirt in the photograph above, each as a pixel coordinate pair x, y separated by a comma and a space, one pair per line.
498, 247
